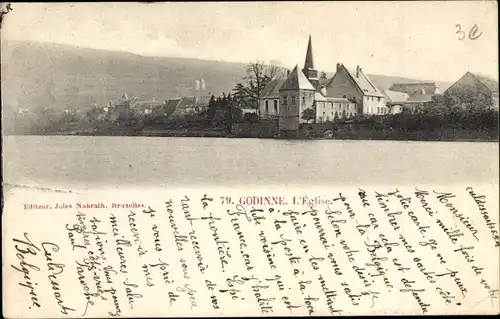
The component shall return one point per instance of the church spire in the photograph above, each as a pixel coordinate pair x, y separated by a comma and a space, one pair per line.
309, 62
310, 72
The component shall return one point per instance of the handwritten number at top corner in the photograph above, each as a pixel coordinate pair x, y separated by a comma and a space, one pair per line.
474, 32
461, 34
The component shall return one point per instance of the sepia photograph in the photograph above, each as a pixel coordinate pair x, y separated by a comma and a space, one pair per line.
286, 158
103, 93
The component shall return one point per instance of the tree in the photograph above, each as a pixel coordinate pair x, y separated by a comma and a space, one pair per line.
309, 115
212, 107
236, 115
250, 117
258, 75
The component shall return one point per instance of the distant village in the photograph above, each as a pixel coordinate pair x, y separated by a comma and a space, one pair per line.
290, 99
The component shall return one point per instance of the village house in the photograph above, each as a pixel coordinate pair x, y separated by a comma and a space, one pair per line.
418, 102
357, 87
420, 94
191, 105
126, 107
395, 101
140, 108
474, 90
330, 108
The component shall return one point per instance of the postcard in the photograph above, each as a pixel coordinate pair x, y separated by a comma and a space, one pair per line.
175, 159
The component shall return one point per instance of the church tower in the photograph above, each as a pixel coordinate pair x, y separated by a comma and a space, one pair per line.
310, 72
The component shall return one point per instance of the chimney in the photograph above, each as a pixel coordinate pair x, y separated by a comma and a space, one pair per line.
358, 70
338, 66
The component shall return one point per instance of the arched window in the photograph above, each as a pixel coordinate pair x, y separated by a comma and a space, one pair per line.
293, 99
276, 106
285, 100
267, 106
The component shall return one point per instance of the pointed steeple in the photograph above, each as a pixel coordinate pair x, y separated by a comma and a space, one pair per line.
309, 62
309, 71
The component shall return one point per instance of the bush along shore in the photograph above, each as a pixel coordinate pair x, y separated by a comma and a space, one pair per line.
224, 120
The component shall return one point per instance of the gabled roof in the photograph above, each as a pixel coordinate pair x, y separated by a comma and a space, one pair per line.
395, 96
297, 81
271, 90
364, 83
489, 82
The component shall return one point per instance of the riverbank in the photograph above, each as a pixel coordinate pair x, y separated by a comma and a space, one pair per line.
448, 136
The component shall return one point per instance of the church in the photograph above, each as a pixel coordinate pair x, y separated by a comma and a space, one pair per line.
345, 95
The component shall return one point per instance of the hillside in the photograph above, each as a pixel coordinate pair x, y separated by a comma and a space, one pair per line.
38, 75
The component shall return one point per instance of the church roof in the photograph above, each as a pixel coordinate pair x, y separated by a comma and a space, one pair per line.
364, 83
309, 61
297, 81
271, 90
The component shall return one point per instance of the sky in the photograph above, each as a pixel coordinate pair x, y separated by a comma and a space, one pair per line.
410, 39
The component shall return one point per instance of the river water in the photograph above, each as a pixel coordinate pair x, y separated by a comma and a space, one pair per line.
88, 161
